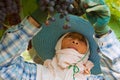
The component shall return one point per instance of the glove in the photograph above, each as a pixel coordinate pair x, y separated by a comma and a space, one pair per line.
44, 12
39, 16
98, 14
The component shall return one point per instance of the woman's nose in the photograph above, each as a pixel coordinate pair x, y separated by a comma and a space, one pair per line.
75, 42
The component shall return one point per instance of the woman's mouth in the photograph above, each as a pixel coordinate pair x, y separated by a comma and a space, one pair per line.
73, 48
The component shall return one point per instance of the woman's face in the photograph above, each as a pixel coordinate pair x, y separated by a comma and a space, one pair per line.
75, 41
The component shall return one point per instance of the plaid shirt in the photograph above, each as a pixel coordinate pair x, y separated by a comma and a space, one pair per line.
15, 41
110, 56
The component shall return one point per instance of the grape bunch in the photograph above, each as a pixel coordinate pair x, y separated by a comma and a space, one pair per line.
9, 12
64, 7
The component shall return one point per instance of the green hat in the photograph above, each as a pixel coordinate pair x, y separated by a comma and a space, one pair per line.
45, 41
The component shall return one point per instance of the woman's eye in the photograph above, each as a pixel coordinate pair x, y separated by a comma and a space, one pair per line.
69, 35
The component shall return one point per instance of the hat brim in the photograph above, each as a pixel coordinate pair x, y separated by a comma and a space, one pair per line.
45, 41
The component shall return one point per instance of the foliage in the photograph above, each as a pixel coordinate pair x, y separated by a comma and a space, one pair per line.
114, 6
114, 23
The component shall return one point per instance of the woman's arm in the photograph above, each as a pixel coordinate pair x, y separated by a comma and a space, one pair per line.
109, 47
15, 40
98, 13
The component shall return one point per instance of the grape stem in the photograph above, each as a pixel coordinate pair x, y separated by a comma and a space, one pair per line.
5, 25
48, 15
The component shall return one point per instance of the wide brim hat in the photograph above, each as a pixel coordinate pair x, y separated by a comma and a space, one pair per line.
45, 41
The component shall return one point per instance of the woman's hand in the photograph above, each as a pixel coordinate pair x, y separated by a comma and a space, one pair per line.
86, 71
98, 14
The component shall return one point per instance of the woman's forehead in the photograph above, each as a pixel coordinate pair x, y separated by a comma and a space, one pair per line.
74, 34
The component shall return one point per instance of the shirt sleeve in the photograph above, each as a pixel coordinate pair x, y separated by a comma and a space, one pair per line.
15, 40
109, 51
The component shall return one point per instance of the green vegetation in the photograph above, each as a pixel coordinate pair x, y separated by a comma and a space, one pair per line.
114, 23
